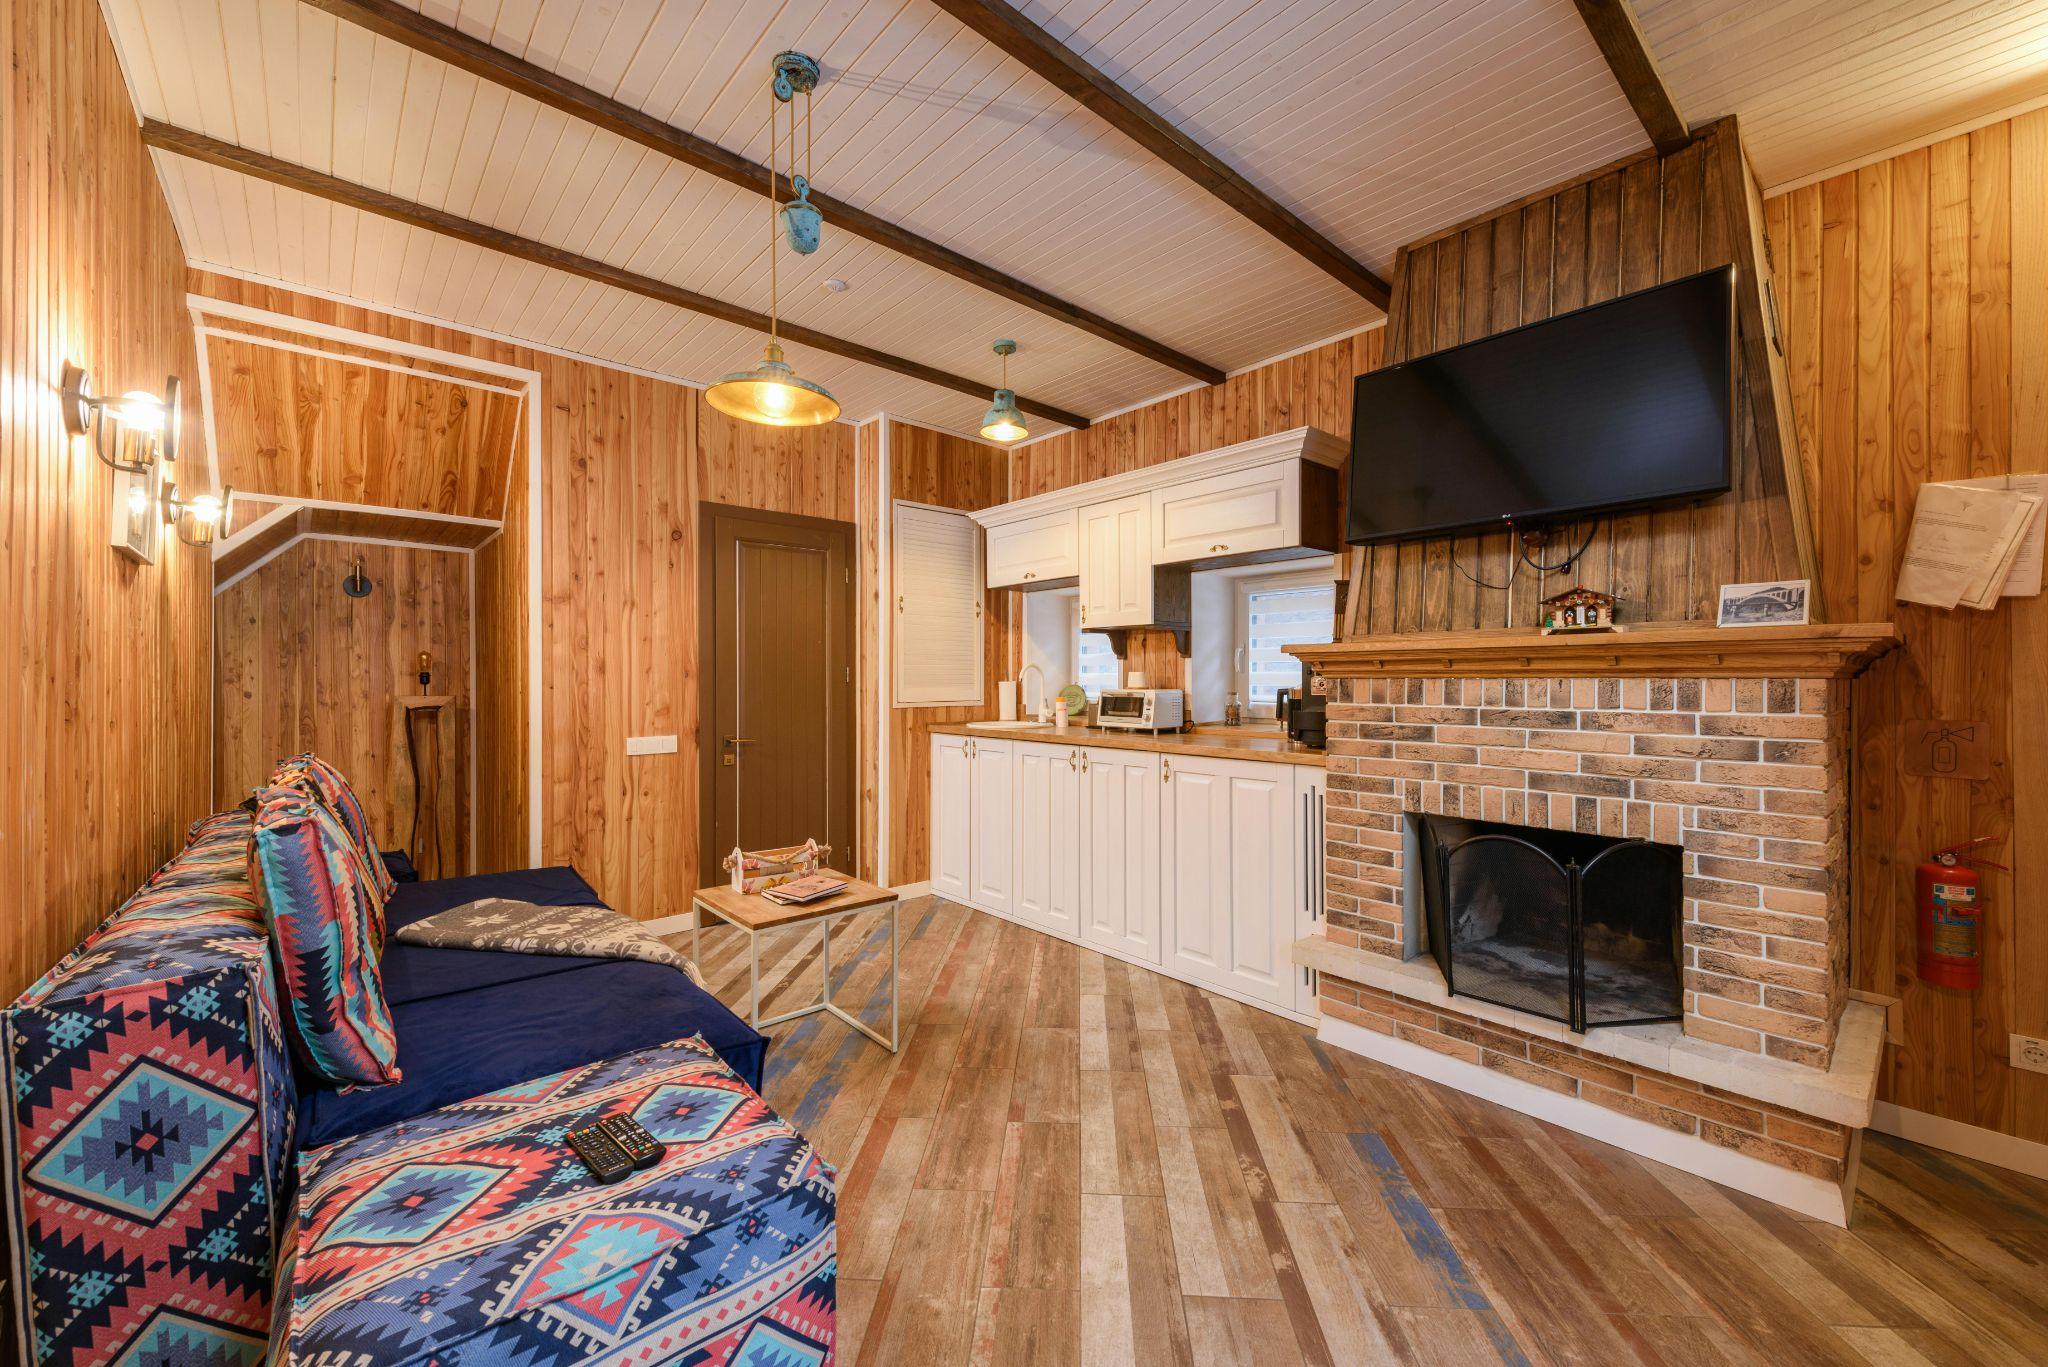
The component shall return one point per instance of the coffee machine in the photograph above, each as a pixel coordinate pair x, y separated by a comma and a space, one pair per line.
1303, 714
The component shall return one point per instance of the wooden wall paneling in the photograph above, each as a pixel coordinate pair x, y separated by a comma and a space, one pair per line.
1987, 652
299, 665
105, 743
502, 721
2028, 617
624, 462
302, 426
868, 727
1915, 294
1644, 222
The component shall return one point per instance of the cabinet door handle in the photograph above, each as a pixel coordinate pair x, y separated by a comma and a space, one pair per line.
1315, 909
1219, 546
1070, 760
1166, 771
1308, 868
1031, 574
1084, 761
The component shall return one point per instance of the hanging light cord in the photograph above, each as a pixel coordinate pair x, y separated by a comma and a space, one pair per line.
774, 213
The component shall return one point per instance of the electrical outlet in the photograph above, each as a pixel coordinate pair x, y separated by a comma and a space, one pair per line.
2030, 1053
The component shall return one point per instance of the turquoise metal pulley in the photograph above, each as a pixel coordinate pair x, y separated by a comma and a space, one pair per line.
801, 221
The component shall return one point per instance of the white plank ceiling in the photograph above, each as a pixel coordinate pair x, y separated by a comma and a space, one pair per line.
1823, 84
1377, 121
1374, 121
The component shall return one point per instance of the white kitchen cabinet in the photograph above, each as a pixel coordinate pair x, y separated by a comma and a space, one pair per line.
1231, 872
1050, 807
1243, 512
952, 819
991, 874
1311, 880
1035, 551
1116, 563
1120, 861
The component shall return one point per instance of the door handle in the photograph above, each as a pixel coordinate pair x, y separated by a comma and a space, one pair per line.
1070, 760
1219, 546
1166, 771
1084, 761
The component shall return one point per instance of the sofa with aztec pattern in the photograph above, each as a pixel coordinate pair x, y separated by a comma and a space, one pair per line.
180, 1191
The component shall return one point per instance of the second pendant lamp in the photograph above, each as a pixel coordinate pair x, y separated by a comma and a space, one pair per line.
1004, 421
772, 393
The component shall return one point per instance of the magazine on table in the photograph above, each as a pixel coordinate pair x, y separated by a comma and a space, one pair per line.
798, 892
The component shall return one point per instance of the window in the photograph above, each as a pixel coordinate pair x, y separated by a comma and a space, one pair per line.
1096, 666
1274, 611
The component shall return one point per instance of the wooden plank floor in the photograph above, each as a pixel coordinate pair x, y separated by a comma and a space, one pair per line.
1076, 1161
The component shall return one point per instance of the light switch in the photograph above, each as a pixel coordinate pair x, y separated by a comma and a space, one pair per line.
650, 745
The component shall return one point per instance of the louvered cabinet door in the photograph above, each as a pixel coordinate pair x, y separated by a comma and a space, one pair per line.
936, 572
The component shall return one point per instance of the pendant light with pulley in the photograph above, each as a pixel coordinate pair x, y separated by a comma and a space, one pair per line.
772, 393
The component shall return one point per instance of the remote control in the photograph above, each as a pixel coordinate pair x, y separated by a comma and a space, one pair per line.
640, 1146
600, 1153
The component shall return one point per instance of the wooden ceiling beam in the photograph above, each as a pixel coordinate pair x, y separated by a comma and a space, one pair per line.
200, 147
1620, 39
1081, 82
501, 68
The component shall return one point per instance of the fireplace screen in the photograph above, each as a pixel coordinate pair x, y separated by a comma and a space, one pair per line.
1580, 928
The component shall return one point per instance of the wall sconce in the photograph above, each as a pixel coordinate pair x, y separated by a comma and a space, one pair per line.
144, 427
197, 520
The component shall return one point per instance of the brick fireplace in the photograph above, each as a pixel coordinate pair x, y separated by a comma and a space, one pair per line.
1729, 752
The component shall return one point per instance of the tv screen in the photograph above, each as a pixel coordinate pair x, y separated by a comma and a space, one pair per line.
1625, 403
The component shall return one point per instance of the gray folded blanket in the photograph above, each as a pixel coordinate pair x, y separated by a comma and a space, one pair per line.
516, 927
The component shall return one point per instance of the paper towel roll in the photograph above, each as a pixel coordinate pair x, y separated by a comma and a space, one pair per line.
1006, 700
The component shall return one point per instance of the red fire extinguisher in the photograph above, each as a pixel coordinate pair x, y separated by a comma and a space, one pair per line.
1951, 916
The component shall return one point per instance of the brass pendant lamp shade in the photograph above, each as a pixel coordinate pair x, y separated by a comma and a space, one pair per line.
772, 393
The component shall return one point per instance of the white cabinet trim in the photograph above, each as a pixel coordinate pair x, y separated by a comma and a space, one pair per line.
1300, 443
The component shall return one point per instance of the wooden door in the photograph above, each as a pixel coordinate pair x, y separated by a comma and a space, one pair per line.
952, 818
776, 737
993, 764
1121, 900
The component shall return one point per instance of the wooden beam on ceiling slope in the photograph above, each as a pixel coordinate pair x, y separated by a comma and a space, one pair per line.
1075, 78
198, 146
501, 68
1620, 39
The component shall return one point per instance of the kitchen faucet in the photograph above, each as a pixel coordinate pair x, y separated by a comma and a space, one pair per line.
1032, 668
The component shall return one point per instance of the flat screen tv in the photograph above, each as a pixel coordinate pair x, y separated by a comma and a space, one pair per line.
1626, 403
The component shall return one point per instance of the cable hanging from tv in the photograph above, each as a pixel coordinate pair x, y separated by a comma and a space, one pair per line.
1522, 557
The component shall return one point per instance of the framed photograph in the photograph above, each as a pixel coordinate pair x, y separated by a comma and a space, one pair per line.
136, 522
1779, 604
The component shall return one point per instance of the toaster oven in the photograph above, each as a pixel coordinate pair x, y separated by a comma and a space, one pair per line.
1140, 709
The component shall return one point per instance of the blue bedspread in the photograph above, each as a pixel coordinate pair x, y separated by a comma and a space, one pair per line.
473, 1021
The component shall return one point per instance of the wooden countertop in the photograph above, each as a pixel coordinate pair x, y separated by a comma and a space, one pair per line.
1223, 742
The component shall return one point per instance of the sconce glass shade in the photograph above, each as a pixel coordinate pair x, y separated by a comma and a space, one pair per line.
1003, 421
773, 395
142, 411
197, 520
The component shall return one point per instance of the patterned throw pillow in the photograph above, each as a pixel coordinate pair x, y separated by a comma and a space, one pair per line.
322, 908
325, 782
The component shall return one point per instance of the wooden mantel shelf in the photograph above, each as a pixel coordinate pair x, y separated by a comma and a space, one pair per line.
1818, 651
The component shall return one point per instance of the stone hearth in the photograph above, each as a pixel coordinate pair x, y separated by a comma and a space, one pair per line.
1733, 746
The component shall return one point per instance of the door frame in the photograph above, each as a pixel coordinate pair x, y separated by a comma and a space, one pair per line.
840, 652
